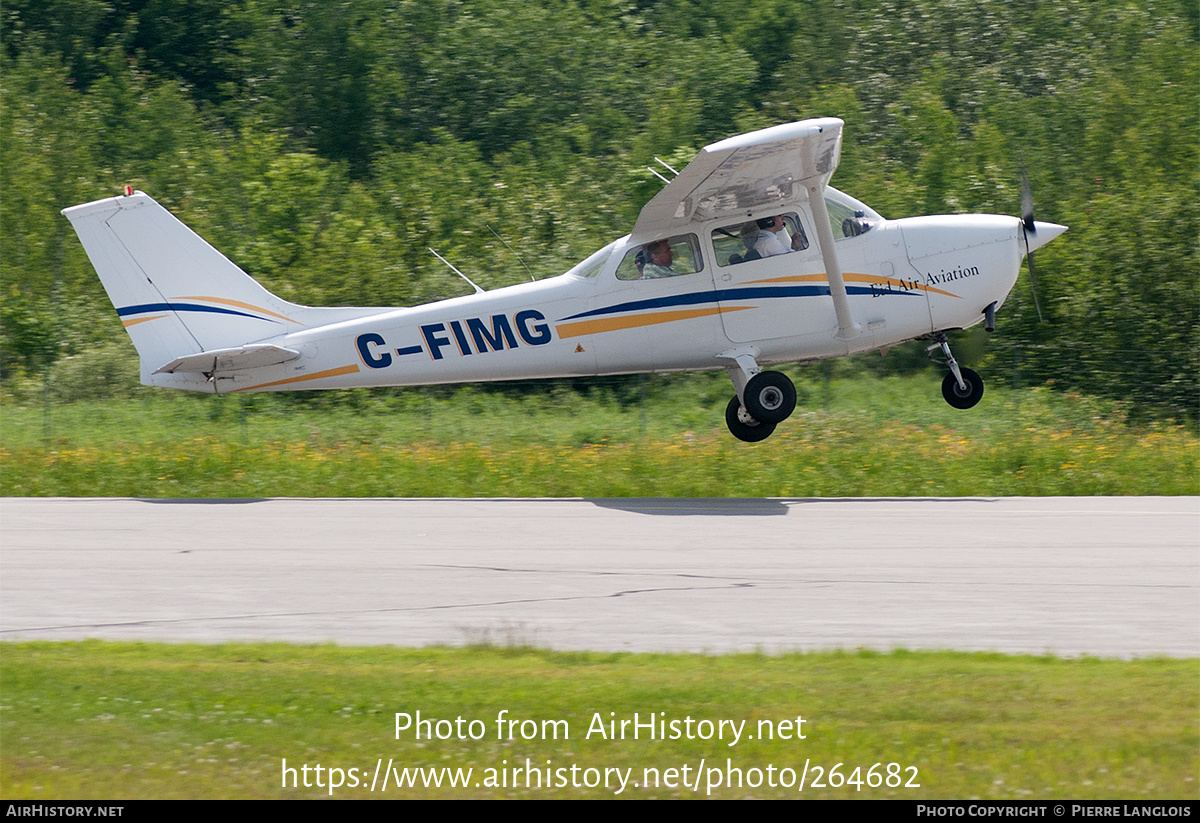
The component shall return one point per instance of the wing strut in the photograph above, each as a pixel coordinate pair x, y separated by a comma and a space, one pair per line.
848, 329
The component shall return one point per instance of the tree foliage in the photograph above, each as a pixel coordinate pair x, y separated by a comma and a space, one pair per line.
326, 147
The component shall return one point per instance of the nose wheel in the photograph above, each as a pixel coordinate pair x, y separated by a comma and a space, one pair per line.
966, 395
962, 387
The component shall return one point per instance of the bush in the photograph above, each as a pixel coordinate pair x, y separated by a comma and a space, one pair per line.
109, 370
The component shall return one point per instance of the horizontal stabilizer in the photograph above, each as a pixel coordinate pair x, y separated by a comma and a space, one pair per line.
226, 360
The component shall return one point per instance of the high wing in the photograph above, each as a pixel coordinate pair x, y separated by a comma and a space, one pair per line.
782, 165
775, 165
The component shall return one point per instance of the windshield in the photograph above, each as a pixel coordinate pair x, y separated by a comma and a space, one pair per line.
849, 217
592, 265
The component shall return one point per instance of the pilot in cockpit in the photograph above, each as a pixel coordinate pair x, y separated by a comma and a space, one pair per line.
766, 237
655, 259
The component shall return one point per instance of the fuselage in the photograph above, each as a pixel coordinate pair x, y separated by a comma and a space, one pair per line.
905, 279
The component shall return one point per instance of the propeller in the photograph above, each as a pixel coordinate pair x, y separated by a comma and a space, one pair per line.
1030, 227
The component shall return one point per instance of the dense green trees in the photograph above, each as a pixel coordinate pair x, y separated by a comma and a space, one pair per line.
325, 146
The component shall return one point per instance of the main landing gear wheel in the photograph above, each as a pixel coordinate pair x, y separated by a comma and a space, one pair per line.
743, 426
770, 397
959, 397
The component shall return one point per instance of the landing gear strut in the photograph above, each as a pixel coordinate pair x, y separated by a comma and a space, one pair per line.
763, 400
962, 387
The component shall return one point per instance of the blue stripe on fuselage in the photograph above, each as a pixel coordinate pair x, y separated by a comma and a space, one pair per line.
717, 296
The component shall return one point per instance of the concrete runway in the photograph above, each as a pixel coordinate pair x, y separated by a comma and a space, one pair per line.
1111, 577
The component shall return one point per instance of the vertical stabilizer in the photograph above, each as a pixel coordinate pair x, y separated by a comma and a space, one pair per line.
175, 294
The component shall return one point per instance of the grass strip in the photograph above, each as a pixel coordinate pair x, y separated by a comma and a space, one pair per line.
108, 720
883, 438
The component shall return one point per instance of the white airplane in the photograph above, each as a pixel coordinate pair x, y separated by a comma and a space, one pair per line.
747, 258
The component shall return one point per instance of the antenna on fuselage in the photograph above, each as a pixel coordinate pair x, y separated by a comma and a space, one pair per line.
456, 271
511, 249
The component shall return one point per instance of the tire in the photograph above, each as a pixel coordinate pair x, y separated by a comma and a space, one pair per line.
770, 397
751, 432
963, 398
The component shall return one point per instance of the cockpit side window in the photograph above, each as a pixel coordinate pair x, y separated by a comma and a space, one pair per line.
665, 257
755, 239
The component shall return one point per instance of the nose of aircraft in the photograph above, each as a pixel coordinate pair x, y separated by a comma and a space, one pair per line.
1042, 234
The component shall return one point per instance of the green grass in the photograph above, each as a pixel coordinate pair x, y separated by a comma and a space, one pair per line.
666, 437
130, 720
106, 720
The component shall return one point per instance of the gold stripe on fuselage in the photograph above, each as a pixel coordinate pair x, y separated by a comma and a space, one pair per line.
634, 321
317, 375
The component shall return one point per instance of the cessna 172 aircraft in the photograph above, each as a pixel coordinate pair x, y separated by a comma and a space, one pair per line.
747, 258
